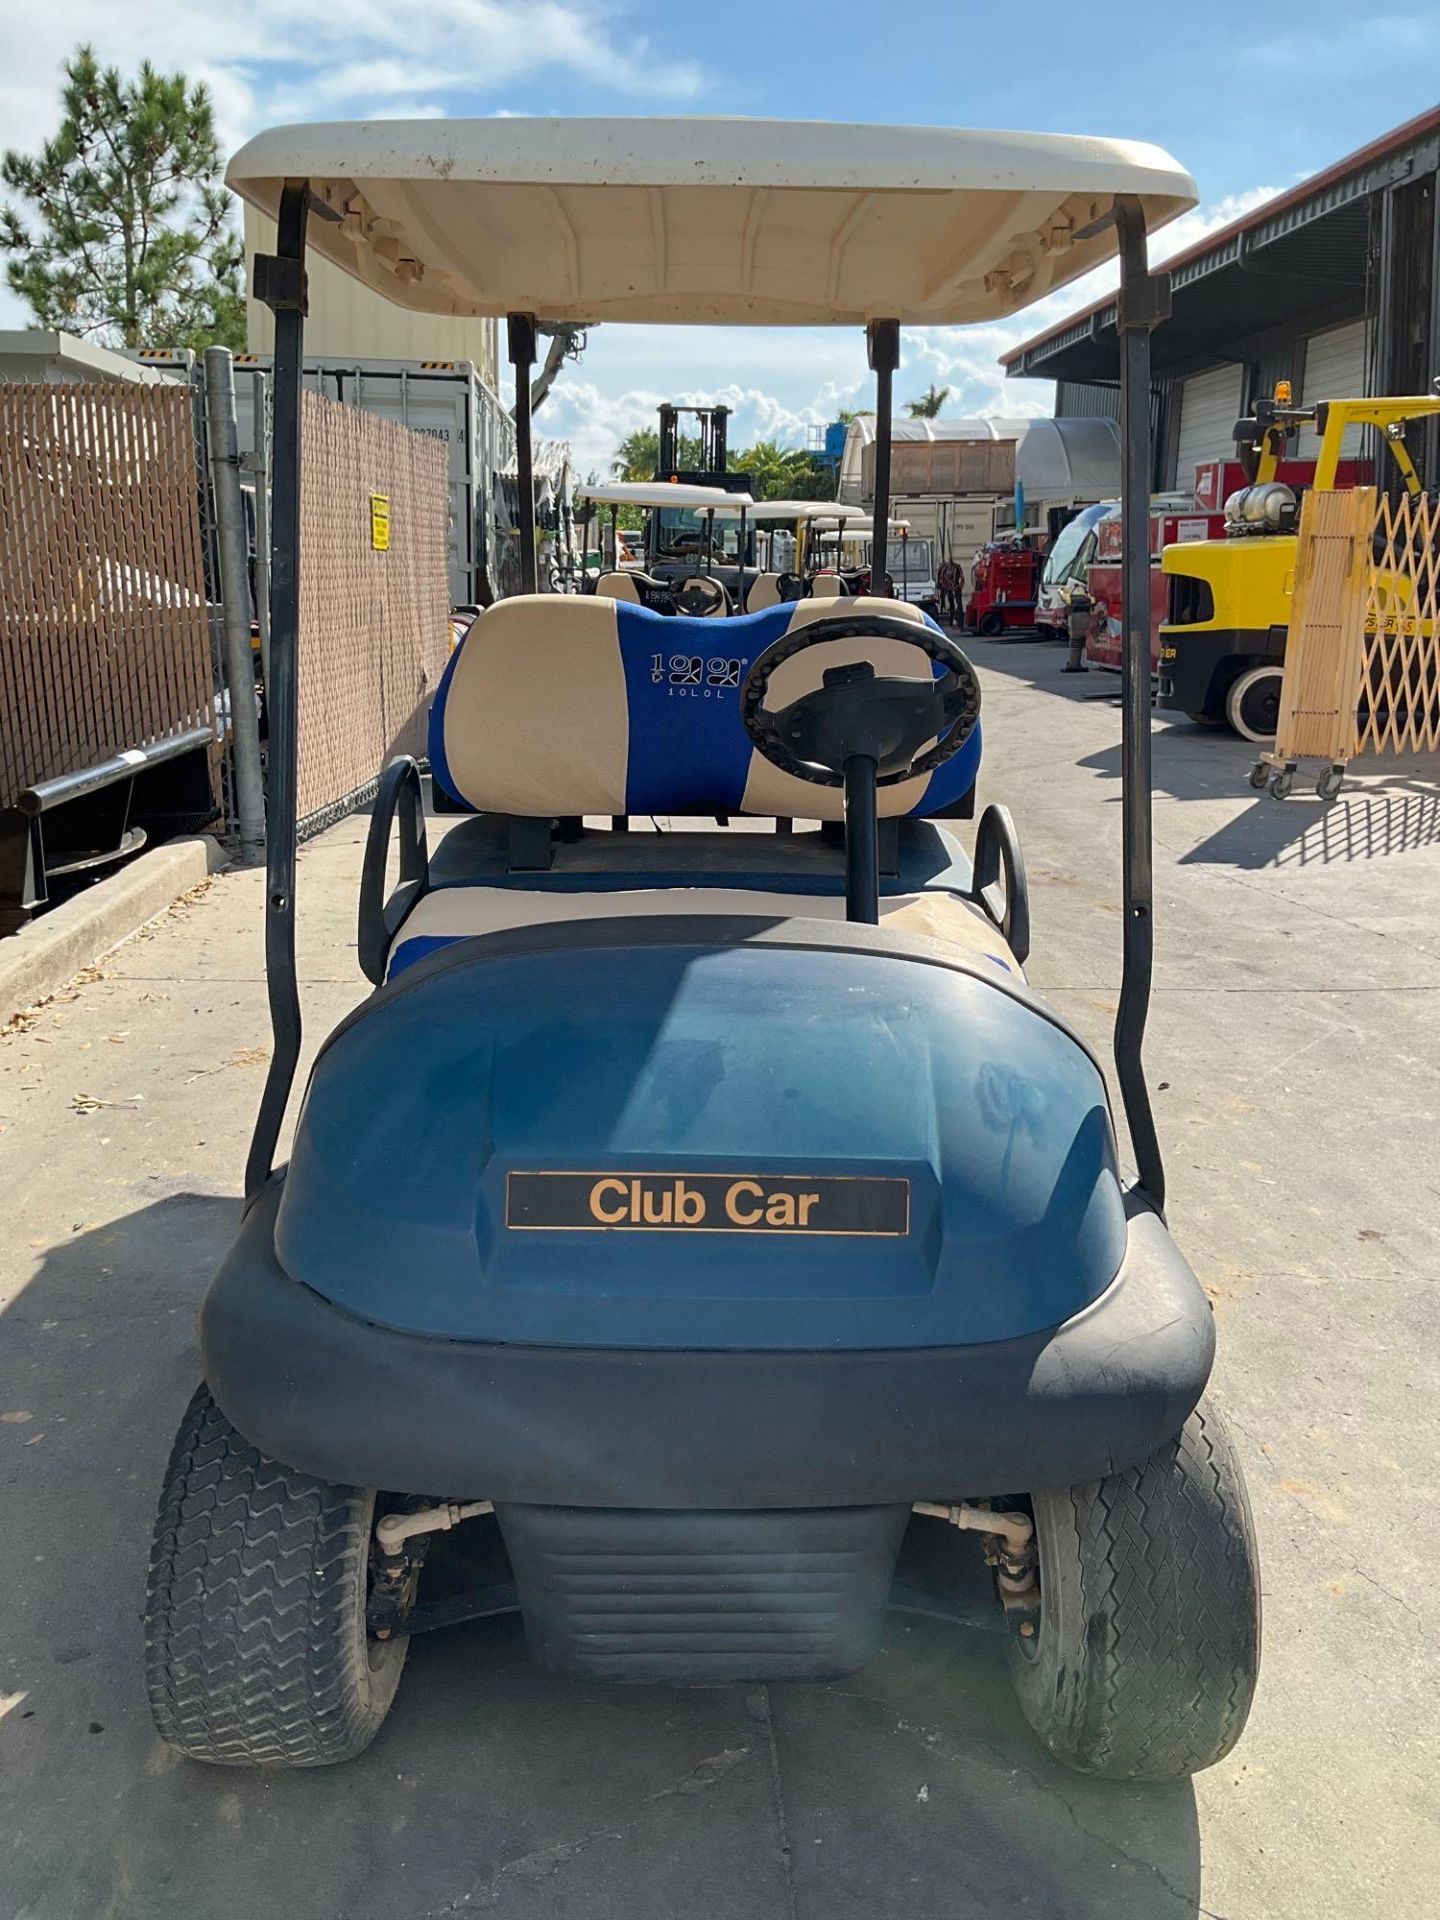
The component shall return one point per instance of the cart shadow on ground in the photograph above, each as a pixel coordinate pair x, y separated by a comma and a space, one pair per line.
913, 1788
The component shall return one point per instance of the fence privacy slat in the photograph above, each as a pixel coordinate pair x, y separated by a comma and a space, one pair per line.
374, 623
104, 638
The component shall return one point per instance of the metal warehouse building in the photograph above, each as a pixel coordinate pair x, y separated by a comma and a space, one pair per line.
1334, 286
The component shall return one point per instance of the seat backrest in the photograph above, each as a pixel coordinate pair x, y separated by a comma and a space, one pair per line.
576, 704
826, 586
617, 586
761, 592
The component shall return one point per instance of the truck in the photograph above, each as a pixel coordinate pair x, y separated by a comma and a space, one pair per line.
1169, 526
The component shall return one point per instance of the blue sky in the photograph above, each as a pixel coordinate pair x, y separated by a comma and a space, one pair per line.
1250, 99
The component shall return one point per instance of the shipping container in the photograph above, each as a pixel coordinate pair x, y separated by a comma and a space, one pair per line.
445, 399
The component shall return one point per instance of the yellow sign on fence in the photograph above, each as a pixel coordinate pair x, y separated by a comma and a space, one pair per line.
380, 522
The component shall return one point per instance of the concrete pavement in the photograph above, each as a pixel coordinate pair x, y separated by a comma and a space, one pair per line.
1293, 1051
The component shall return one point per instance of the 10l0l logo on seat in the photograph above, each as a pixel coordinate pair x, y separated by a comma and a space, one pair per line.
624, 1202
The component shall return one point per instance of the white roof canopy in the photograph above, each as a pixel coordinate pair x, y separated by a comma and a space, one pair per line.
735, 221
661, 493
778, 509
856, 524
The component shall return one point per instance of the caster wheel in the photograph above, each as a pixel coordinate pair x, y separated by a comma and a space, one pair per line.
1280, 785
1258, 776
1329, 784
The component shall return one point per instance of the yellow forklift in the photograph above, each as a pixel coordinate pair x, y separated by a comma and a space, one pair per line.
1222, 642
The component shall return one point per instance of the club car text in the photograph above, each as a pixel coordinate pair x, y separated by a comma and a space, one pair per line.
622, 1202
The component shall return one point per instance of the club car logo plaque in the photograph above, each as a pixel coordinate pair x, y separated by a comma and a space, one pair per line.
624, 1202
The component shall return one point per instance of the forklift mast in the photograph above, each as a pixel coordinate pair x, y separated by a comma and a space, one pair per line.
1260, 439
711, 431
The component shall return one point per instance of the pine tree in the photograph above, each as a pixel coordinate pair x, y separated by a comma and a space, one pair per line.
129, 236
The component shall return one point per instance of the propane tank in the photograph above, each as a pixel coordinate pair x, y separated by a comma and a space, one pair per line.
1269, 507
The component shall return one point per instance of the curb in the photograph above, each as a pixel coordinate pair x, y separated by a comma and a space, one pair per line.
44, 956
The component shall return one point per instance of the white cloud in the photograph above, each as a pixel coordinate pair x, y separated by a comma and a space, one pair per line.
274, 59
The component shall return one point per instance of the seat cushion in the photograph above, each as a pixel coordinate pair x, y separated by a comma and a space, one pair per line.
449, 914
556, 704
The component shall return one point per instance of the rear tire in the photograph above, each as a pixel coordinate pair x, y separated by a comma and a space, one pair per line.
1252, 703
990, 624
1144, 1663
256, 1652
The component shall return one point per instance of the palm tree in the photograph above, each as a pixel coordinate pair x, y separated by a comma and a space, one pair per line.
638, 455
781, 473
929, 403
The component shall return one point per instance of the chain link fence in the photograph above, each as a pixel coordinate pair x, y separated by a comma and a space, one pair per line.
102, 590
374, 600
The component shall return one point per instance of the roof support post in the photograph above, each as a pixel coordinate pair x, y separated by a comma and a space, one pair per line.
1144, 302
520, 336
882, 345
280, 282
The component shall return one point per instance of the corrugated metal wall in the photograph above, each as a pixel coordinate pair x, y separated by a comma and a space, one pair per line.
1074, 400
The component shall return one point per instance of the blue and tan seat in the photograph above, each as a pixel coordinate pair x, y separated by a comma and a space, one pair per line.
575, 707
617, 585
762, 590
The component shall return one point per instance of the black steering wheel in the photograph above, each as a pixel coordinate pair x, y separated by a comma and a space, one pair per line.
905, 725
860, 585
790, 586
702, 595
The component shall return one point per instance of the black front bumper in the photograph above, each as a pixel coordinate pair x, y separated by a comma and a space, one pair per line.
589, 1427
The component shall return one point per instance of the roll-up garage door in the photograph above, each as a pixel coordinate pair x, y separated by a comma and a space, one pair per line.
1209, 408
1334, 370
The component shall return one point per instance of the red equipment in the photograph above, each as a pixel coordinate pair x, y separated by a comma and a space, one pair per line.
1006, 587
1167, 527
1216, 480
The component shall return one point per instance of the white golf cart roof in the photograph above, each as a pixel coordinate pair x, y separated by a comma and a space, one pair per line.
834, 516
661, 493
778, 509
760, 222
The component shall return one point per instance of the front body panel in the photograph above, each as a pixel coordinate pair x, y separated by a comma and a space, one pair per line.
706, 1147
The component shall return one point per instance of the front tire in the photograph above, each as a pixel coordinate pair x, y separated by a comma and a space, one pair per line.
1144, 1663
256, 1652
